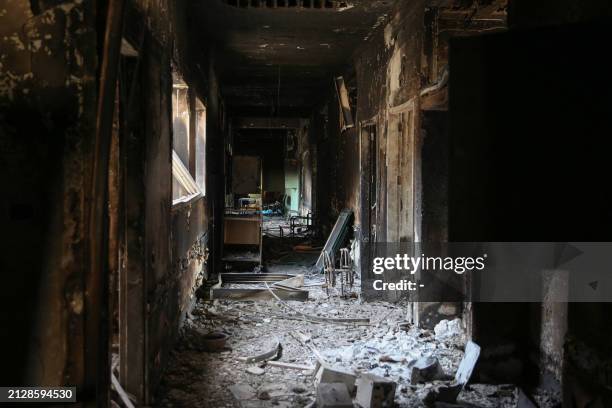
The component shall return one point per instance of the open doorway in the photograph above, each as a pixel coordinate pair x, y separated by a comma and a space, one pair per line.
286, 184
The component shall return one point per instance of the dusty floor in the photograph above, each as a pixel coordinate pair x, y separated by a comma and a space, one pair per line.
196, 378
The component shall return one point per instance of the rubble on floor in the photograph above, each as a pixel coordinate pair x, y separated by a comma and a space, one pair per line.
333, 395
383, 354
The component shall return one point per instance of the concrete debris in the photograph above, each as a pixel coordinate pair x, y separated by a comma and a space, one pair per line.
255, 370
448, 328
304, 338
375, 392
316, 318
269, 391
242, 392
383, 349
333, 395
327, 374
426, 369
442, 393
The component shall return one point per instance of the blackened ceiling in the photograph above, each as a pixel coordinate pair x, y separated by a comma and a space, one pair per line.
281, 61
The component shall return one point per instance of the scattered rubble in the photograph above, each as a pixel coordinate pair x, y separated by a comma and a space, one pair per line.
274, 354
242, 392
333, 395
448, 328
373, 362
255, 370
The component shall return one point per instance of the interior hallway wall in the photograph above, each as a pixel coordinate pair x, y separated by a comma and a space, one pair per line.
502, 191
387, 74
47, 126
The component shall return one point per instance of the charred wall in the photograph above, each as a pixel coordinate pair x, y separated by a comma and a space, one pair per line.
48, 83
47, 99
338, 165
188, 234
547, 147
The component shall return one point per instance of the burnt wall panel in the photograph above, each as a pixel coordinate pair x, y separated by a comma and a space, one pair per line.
158, 202
46, 131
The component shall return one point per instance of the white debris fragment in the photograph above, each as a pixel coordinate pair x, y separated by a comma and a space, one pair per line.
448, 328
255, 370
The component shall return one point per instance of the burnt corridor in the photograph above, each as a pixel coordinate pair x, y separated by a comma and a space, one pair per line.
216, 203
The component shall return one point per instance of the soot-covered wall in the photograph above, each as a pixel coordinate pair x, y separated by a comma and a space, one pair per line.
47, 102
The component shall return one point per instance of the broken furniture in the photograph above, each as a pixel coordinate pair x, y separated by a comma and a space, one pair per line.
346, 269
243, 221
336, 239
243, 231
299, 225
345, 272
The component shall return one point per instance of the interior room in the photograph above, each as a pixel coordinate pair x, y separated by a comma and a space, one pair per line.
197, 196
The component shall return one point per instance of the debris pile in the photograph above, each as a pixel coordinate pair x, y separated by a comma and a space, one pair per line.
324, 352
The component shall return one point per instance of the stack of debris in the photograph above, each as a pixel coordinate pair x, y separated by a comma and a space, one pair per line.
336, 387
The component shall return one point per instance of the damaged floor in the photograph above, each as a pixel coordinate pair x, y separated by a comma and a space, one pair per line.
387, 347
